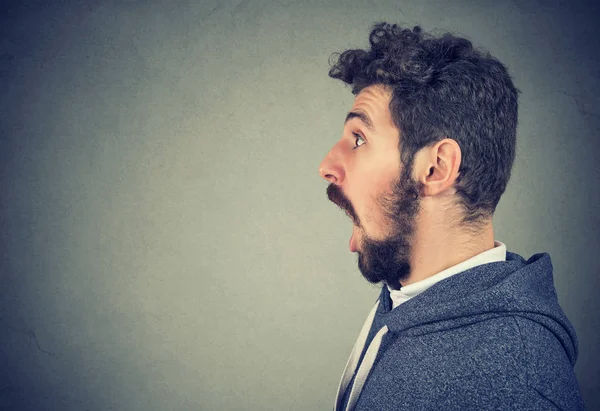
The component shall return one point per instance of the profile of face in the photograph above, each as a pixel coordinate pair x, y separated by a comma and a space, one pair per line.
370, 184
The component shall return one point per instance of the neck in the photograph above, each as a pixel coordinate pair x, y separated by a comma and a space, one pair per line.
436, 248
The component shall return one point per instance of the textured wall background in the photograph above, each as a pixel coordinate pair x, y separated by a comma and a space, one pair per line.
166, 241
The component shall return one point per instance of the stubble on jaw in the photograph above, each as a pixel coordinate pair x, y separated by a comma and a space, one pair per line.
388, 260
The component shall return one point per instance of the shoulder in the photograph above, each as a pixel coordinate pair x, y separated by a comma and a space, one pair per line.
549, 369
484, 364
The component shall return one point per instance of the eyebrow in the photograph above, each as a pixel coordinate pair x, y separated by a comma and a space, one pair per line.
362, 116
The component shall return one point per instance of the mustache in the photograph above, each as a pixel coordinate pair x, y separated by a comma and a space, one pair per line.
337, 197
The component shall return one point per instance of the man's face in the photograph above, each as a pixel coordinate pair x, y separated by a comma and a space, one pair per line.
370, 184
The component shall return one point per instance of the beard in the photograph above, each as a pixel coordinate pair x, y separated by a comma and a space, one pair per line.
387, 260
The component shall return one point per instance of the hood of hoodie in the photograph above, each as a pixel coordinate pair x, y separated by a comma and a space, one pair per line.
514, 287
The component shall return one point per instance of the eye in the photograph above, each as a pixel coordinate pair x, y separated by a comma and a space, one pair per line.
358, 141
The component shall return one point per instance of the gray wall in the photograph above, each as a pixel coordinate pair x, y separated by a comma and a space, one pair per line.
166, 238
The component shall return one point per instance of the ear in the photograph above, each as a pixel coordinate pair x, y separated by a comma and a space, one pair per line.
437, 166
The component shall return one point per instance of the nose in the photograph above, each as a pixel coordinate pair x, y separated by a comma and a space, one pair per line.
331, 168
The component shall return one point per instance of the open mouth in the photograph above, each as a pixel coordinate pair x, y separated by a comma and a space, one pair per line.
351, 216
337, 197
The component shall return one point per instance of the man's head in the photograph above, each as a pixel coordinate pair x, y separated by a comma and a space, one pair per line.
432, 133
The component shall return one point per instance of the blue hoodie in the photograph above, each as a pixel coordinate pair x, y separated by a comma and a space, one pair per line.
492, 337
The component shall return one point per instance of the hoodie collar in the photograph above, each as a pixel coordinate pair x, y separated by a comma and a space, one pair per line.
499, 288
498, 253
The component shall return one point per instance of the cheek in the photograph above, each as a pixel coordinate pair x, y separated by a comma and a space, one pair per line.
373, 175
366, 203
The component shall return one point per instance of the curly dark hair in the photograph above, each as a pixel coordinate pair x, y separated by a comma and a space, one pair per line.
442, 87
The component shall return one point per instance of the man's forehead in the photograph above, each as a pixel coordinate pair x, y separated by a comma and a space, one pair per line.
373, 95
373, 101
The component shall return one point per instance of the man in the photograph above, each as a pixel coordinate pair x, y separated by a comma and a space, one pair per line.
425, 155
